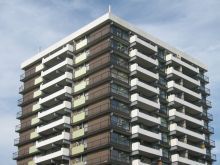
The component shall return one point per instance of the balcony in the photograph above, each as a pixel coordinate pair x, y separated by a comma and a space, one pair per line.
56, 139
63, 108
206, 103
177, 102
142, 59
143, 87
30, 85
25, 152
191, 134
54, 58
51, 127
27, 111
174, 86
141, 44
78, 117
149, 136
81, 57
175, 60
61, 80
139, 162
29, 98
177, 158
203, 78
177, 74
81, 71
80, 86
143, 73
31, 72
79, 101
151, 152
25, 139
61, 154
144, 103
178, 116
179, 144
144, 118
209, 129
81, 43
27, 124
204, 90
51, 73
59, 95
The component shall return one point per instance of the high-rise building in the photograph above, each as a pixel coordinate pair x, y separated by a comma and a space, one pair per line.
110, 93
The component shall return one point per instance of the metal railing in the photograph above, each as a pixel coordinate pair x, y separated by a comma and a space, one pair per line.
27, 73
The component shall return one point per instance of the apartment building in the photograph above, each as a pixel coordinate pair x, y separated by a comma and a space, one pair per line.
110, 93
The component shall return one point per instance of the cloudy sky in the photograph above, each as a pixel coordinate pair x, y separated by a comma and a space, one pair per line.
29, 25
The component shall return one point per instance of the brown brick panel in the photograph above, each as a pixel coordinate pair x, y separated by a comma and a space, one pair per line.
98, 157
98, 140
99, 107
105, 58
28, 108
98, 124
99, 76
24, 161
99, 47
28, 84
99, 91
99, 33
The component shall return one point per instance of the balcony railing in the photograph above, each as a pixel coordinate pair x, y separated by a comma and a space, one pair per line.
206, 102
204, 89
203, 77
209, 129
27, 73
20, 153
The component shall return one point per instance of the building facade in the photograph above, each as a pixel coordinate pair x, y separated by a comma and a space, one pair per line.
112, 94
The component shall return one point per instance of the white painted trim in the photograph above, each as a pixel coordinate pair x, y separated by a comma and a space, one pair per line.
97, 22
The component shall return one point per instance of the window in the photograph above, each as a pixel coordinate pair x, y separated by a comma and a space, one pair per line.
119, 90
119, 75
164, 137
119, 61
119, 155
120, 33
117, 105
119, 139
120, 47
120, 122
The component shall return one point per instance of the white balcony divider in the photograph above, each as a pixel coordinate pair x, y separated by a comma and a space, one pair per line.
68, 47
135, 67
136, 82
171, 84
66, 89
171, 70
66, 75
137, 113
174, 112
175, 127
135, 52
59, 153
171, 57
137, 130
172, 98
63, 120
136, 97
137, 146
65, 104
176, 142
67, 61
134, 38
62, 136
177, 158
